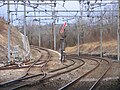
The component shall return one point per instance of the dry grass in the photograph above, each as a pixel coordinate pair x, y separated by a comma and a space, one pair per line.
94, 47
15, 39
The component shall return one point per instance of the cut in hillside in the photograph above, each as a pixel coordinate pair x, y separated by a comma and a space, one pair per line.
16, 39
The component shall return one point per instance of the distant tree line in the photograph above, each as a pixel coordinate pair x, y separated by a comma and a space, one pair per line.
89, 31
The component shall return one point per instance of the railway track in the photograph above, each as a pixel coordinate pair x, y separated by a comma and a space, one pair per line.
63, 72
55, 73
95, 84
10, 85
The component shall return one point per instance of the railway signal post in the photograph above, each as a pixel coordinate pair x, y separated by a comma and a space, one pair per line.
62, 41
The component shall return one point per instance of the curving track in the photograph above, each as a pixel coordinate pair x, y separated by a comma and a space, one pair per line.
54, 73
72, 84
61, 71
76, 66
44, 54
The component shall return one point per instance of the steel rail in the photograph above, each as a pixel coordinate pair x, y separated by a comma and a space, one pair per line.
10, 83
15, 66
17, 79
66, 66
42, 69
80, 77
55, 75
59, 73
95, 85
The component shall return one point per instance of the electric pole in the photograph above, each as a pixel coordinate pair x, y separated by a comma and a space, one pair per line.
39, 34
101, 34
8, 12
53, 27
24, 43
118, 31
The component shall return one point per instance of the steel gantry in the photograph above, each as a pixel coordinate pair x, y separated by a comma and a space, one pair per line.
58, 0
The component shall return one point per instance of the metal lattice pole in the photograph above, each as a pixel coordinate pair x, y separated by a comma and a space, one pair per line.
101, 48
78, 41
79, 27
118, 32
8, 12
39, 34
101, 35
25, 26
54, 27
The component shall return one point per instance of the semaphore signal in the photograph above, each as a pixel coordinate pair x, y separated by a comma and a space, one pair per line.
63, 27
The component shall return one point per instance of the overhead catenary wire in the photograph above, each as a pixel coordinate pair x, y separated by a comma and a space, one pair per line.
66, 10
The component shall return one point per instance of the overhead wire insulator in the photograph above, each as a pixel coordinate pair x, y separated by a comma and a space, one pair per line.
23, 1
54, 4
95, 1
29, 2
45, 10
42, 0
57, 19
80, 1
88, 3
63, 4
76, 13
35, 13
37, 5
